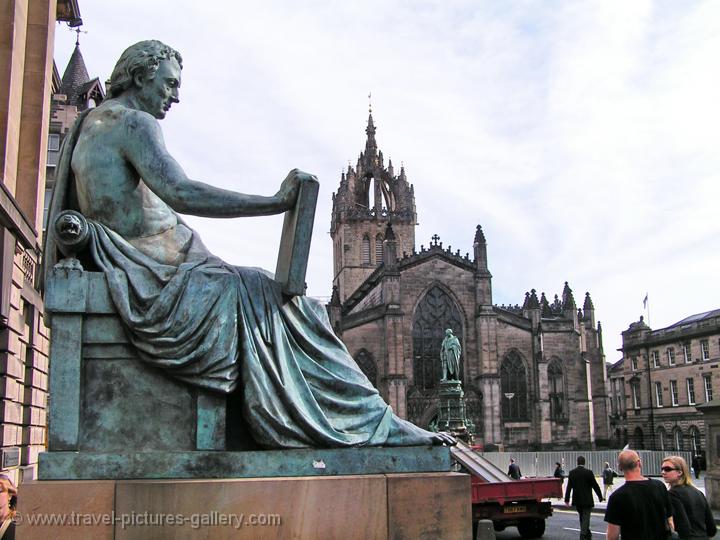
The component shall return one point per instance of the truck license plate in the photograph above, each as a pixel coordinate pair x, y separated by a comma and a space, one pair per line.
514, 509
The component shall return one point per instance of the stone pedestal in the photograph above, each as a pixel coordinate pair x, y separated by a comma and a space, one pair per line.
389, 506
711, 416
452, 416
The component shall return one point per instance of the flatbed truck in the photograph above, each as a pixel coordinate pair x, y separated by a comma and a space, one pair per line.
522, 503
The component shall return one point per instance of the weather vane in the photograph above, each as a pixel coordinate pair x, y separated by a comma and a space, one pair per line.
78, 31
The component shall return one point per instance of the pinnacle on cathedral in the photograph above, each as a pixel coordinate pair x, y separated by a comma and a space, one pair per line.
479, 236
531, 300
568, 300
545, 310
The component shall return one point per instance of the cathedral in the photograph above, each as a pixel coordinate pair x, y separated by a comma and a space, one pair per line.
533, 374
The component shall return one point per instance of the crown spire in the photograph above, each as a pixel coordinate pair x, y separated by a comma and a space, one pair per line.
370, 144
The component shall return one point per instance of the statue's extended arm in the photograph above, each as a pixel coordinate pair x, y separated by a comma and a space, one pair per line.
145, 149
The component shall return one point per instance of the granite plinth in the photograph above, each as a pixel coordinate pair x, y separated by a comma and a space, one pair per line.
256, 464
390, 506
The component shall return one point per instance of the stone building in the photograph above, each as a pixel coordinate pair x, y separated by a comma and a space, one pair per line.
27, 32
663, 374
534, 375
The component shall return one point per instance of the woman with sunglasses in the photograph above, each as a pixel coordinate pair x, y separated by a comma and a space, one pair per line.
691, 512
8, 500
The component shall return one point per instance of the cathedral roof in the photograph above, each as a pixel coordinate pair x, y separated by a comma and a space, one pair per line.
434, 251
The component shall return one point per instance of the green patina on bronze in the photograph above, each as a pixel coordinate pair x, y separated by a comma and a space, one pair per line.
220, 332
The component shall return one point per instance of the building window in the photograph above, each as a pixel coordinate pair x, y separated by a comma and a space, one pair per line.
54, 142
658, 394
671, 356
677, 439
621, 396
686, 353
639, 439
556, 392
695, 440
634, 363
367, 365
655, 358
366, 250
707, 380
674, 393
691, 391
705, 348
378, 249
635, 388
661, 439
513, 385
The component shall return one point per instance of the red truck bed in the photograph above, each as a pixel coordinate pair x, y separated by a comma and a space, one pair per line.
515, 490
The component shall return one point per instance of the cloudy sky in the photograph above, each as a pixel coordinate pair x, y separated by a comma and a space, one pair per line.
582, 136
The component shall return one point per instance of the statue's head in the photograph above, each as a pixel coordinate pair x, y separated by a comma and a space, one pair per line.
138, 68
448, 332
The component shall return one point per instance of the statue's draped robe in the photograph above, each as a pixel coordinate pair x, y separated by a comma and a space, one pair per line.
230, 329
450, 349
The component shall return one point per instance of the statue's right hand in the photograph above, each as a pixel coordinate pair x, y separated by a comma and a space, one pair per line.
288, 191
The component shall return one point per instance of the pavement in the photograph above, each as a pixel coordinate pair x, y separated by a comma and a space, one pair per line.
601, 506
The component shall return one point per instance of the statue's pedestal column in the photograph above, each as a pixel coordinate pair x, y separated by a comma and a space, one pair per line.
711, 416
452, 416
381, 506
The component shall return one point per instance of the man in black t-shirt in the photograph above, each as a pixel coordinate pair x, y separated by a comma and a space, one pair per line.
640, 509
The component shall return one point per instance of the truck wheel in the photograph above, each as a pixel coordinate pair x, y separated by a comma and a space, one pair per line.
531, 528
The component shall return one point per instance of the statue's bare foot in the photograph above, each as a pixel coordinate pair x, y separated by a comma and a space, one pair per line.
443, 438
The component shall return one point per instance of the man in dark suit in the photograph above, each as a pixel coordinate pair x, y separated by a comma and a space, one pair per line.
514, 470
581, 483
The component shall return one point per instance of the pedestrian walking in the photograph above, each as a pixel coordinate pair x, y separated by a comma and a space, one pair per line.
581, 484
640, 509
608, 476
696, 466
514, 470
692, 516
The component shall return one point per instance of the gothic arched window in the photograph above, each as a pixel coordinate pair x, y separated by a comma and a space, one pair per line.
556, 390
435, 313
513, 385
639, 439
365, 250
367, 364
695, 440
662, 439
677, 439
378, 249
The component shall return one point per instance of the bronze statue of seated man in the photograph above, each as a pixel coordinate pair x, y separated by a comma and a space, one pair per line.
200, 320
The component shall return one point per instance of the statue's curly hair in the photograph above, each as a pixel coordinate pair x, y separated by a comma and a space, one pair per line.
142, 58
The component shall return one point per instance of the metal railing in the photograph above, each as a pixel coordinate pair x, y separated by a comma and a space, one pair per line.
543, 463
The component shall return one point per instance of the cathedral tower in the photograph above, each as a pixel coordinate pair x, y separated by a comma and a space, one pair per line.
369, 198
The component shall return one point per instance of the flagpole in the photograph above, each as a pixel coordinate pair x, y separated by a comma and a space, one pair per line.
646, 305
